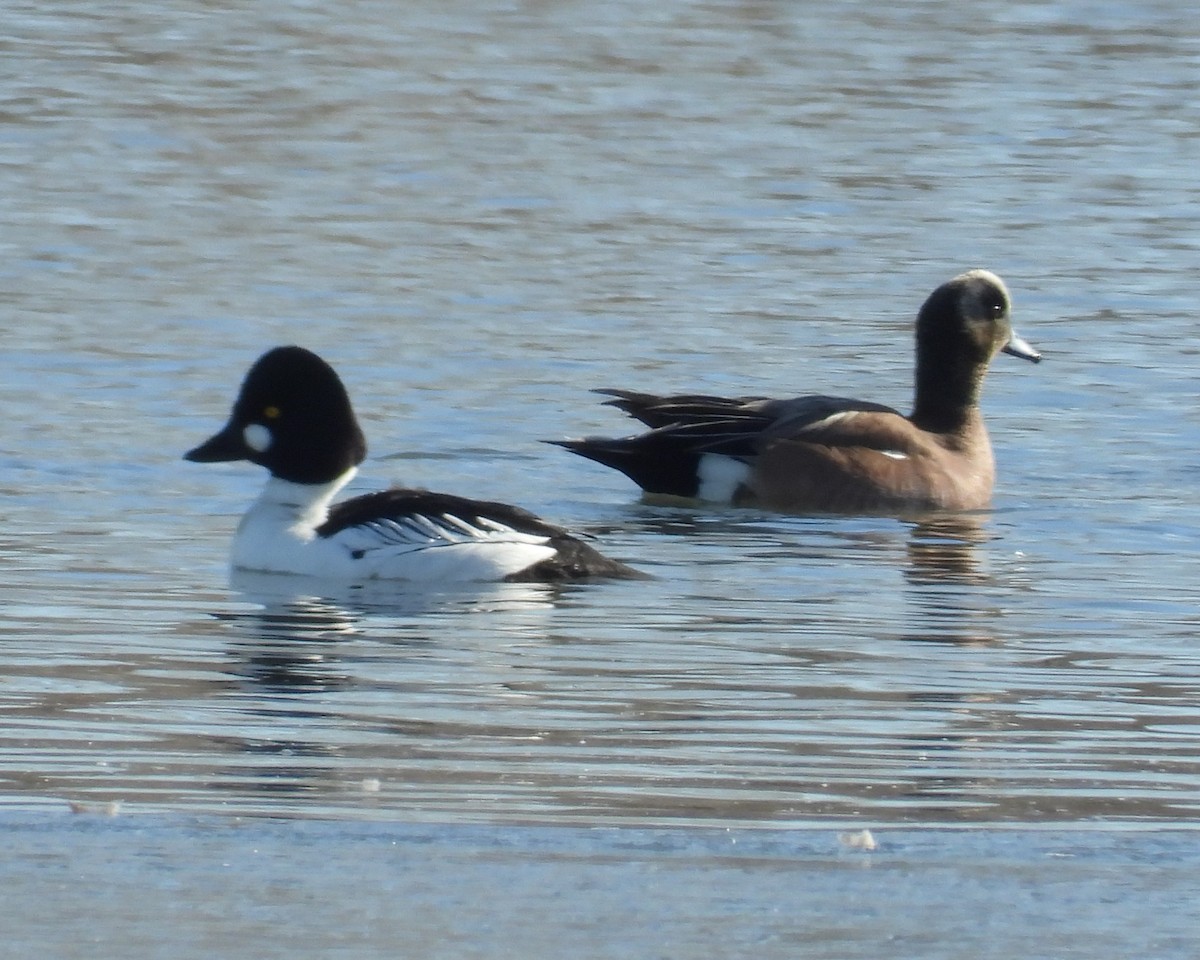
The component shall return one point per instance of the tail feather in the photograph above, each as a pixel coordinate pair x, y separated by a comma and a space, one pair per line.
658, 410
670, 472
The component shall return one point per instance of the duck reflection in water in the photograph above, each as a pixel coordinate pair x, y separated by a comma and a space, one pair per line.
943, 549
948, 579
290, 644
379, 598
300, 657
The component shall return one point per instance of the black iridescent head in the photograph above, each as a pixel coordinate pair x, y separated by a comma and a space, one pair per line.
292, 416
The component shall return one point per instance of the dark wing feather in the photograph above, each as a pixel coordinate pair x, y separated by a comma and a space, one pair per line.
736, 426
572, 559
659, 411
730, 414
684, 427
398, 504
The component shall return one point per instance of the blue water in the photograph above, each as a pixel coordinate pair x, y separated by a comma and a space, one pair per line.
477, 221
480, 212
193, 887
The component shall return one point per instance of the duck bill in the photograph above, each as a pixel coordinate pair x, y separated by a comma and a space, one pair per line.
1020, 348
226, 445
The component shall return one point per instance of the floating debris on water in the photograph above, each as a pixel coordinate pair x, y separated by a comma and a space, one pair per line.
858, 840
109, 809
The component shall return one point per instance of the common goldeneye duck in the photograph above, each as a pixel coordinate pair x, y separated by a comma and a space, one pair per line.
832, 454
293, 416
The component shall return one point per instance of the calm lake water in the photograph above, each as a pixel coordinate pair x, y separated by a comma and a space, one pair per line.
478, 212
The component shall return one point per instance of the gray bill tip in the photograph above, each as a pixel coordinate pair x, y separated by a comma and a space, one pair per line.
1021, 348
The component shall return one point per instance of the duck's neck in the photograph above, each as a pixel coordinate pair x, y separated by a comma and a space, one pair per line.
947, 394
300, 503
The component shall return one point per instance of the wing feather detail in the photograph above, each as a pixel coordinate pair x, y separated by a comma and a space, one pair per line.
422, 531
419, 535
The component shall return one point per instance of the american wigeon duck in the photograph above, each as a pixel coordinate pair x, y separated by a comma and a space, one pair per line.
833, 454
293, 416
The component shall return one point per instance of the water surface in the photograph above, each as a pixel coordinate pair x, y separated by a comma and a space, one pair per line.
479, 212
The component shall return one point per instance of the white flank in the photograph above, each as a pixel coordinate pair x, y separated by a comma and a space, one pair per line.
278, 535
720, 477
440, 548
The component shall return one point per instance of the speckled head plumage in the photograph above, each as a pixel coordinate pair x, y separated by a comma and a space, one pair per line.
292, 416
961, 327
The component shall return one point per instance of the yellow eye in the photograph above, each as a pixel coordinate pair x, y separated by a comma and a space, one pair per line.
271, 413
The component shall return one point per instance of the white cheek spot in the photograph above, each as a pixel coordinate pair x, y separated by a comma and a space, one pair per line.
720, 477
257, 437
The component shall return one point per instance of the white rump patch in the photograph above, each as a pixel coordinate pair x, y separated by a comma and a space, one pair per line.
257, 437
720, 477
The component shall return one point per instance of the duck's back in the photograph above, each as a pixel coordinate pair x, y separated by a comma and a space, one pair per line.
420, 535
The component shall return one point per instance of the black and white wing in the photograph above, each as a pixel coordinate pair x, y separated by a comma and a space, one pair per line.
419, 535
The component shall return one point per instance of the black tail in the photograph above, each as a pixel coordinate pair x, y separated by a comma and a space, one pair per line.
575, 560
654, 466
